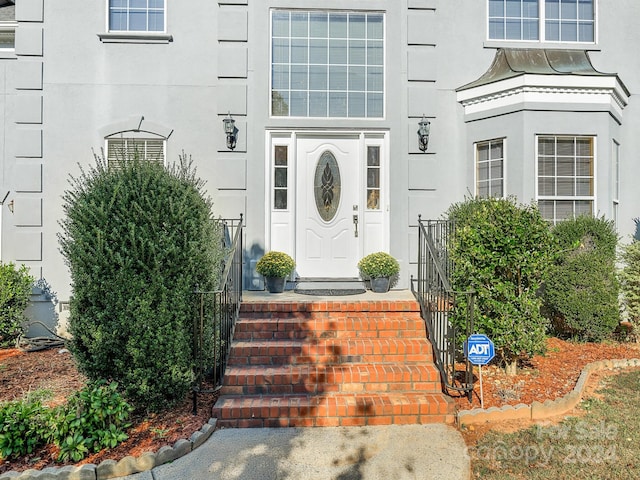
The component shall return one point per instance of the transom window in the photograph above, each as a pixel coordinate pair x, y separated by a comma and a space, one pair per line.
490, 168
327, 64
565, 177
121, 148
542, 20
136, 15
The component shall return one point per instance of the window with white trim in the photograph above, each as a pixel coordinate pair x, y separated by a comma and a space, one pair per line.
490, 168
373, 177
8, 25
121, 147
281, 177
136, 15
327, 64
566, 179
542, 20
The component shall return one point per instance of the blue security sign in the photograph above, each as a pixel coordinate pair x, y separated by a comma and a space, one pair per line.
479, 349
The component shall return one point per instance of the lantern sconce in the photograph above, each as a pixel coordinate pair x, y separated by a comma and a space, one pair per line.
231, 131
424, 127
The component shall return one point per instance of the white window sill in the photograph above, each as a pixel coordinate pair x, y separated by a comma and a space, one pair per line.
539, 44
8, 53
135, 37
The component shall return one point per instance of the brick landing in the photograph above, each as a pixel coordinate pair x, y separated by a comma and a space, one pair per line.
302, 361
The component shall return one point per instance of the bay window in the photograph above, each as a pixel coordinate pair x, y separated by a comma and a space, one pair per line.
566, 179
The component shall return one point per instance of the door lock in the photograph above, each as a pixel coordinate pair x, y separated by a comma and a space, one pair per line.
355, 223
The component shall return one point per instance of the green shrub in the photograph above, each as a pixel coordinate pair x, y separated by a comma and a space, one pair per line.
501, 250
581, 291
630, 280
379, 264
137, 240
24, 426
92, 419
275, 264
15, 288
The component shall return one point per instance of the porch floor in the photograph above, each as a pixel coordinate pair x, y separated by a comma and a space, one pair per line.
262, 296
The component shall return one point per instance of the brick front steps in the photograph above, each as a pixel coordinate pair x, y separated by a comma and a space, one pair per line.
331, 363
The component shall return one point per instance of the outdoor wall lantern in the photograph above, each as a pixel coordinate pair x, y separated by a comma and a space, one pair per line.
231, 131
424, 126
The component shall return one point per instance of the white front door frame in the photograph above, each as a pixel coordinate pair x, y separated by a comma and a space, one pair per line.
282, 229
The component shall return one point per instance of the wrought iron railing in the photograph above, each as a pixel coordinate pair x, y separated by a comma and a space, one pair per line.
448, 314
218, 312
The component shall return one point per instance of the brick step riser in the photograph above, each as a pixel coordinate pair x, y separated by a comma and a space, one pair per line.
391, 347
332, 411
297, 359
365, 323
331, 375
300, 422
314, 389
337, 334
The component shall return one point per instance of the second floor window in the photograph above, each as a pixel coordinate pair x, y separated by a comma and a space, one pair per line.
7, 25
542, 20
136, 15
327, 64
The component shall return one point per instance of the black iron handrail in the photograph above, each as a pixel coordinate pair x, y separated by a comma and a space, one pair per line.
439, 303
218, 311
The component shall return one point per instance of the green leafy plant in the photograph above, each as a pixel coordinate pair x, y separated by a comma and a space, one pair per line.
138, 239
501, 251
15, 288
94, 418
275, 264
379, 264
24, 426
581, 290
630, 281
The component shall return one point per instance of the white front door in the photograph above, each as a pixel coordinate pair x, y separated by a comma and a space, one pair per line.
328, 192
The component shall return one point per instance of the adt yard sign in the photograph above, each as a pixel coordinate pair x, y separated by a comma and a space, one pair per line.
478, 349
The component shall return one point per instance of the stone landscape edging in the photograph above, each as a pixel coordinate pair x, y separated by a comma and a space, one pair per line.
119, 468
539, 410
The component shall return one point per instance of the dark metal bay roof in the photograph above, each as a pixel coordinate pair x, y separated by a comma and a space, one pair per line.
513, 62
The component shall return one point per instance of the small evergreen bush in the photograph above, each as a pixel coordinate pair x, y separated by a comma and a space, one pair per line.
137, 240
581, 290
15, 288
501, 250
630, 280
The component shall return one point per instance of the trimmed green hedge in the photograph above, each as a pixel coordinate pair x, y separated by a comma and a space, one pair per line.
15, 289
138, 239
581, 290
501, 250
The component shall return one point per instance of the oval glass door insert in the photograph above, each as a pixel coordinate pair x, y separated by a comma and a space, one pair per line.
327, 186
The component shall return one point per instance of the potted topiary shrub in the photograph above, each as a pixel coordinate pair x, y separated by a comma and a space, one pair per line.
275, 267
379, 268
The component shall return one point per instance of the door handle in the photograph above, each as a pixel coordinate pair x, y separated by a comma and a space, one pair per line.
355, 223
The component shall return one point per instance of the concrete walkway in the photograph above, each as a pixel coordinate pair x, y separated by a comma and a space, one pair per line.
429, 452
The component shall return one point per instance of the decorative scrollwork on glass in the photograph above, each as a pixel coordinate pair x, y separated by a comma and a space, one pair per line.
327, 186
